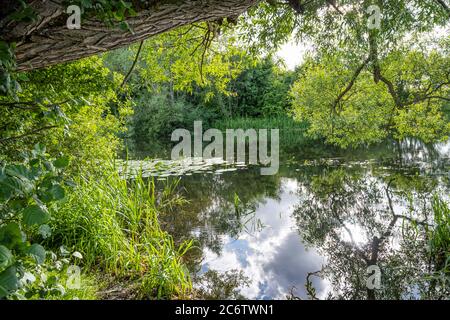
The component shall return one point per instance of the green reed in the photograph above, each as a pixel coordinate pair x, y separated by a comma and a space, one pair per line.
114, 224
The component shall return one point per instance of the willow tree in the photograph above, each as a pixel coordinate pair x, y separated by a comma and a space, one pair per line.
34, 34
369, 77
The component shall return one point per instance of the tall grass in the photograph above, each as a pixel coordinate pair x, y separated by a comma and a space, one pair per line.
114, 224
291, 131
439, 237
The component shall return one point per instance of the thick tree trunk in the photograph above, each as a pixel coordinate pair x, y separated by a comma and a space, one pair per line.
48, 41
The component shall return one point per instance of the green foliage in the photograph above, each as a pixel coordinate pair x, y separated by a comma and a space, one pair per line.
28, 192
348, 109
24, 13
167, 96
197, 72
77, 105
360, 119
292, 133
98, 215
156, 116
222, 286
339, 26
182, 59
174, 86
8, 83
113, 12
114, 224
261, 90
439, 241
423, 121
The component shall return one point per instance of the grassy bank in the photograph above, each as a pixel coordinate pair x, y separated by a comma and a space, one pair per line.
114, 225
67, 234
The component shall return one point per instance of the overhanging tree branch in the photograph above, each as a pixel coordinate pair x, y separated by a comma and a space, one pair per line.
30, 133
48, 41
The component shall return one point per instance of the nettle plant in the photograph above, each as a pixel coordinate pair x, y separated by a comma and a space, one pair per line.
28, 192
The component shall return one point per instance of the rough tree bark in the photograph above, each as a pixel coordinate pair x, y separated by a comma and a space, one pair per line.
48, 41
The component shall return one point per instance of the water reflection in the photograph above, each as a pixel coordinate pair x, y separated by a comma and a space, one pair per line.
273, 258
323, 220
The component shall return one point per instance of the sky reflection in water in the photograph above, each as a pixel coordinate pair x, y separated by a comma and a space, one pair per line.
270, 249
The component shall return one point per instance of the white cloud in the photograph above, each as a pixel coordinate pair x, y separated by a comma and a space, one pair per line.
274, 259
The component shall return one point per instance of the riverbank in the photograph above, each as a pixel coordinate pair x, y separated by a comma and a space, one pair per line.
114, 224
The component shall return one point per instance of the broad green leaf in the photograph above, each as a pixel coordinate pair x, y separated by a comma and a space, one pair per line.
61, 162
37, 252
10, 235
39, 150
6, 258
8, 282
18, 170
34, 215
57, 192
11, 186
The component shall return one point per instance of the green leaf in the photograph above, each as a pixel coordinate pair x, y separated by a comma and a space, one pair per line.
63, 251
57, 192
6, 258
37, 252
8, 187
10, 235
11, 186
70, 183
8, 282
34, 215
25, 14
49, 166
19, 171
86, 3
61, 162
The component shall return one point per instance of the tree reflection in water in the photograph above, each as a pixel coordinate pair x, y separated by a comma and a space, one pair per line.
358, 220
357, 210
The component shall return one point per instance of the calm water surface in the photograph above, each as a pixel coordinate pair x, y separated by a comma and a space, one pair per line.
322, 220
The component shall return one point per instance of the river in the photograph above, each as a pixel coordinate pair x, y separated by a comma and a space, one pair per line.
313, 230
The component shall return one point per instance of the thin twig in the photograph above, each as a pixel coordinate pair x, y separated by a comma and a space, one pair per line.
33, 132
133, 65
